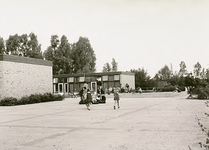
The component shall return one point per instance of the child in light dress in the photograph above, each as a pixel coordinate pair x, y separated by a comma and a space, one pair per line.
116, 98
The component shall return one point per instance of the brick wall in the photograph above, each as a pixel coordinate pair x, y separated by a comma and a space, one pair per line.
24, 78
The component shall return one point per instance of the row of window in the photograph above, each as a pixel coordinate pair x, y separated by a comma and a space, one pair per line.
87, 79
76, 87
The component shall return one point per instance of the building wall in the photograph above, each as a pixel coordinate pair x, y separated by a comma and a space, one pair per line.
1, 78
130, 79
22, 78
107, 79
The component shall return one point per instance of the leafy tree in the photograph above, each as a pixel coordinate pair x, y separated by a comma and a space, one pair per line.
142, 79
13, 45
84, 59
203, 73
197, 70
114, 65
34, 48
2, 46
49, 53
54, 41
183, 69
60, 53
24, 45
189, 80
164, 74
207, 73
63, 56
107, 67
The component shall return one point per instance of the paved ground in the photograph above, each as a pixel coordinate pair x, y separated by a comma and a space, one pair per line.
149, 121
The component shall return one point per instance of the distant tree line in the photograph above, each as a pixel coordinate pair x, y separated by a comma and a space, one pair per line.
67, 58
182, 78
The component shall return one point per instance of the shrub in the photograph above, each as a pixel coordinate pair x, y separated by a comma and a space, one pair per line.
201, 92
166, 89
34, 98
8, 101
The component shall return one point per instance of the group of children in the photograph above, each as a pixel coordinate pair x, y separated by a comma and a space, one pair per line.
86, 95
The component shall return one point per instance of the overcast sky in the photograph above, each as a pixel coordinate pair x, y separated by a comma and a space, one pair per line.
137, 33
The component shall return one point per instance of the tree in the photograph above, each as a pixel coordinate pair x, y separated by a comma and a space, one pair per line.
63, 56
183, 69
203, 73
2, 46
84, 59
13, 45
114, 65
164, 73
49, 54
106, 67
207, 73
142, 79
197, 70
60, 54
34, 48
189, 80
24, 45
54, 41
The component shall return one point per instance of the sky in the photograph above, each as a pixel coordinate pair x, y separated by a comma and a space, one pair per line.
146, 34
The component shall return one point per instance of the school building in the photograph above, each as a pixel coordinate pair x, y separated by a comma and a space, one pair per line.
69, 83
23, 76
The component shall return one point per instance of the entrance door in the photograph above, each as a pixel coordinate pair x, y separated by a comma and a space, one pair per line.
93, 86
66, 88
60, 88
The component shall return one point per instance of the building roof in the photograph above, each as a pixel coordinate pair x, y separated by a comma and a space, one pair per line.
92, 74
27, 60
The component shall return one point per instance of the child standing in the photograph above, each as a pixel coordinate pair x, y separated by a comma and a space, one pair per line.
88, 99
116, 98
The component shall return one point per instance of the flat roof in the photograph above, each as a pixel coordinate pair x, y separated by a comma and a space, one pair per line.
27, 60
92, 74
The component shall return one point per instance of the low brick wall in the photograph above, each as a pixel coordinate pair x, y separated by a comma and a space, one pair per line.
20, 76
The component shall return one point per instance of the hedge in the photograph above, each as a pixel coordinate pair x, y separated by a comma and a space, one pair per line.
34, 98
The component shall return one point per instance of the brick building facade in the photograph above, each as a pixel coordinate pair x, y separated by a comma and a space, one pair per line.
22, 76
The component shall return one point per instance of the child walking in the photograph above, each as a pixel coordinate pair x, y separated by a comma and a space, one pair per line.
116, 98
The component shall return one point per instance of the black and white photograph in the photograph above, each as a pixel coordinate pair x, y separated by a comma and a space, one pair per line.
104, 75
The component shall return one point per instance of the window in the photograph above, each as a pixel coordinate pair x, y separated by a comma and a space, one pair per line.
105, 78
116, 77
111, 78
55, 80
117, 84
77, 79
88, 79
55, 88
70, 79
82, 79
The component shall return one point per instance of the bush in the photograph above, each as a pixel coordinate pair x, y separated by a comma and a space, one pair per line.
34, 98
9, 101
166, 89
201, 92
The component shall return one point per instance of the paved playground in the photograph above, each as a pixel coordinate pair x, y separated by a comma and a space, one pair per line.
148, 121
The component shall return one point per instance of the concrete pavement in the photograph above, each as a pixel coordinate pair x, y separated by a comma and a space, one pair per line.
150, 121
